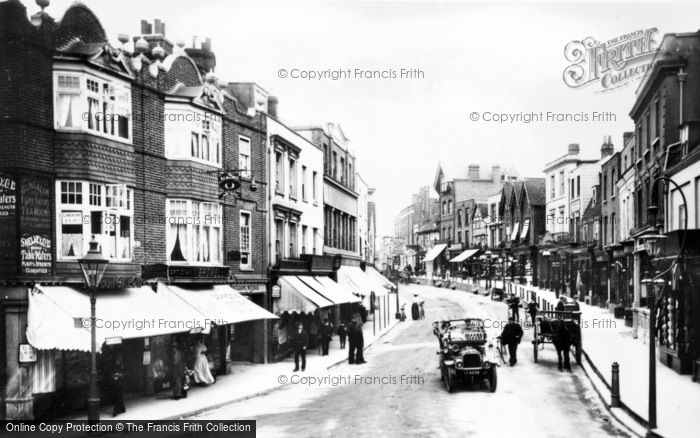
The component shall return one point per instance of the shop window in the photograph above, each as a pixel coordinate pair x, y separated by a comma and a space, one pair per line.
246, 262
194, 232
86, 102
85, 209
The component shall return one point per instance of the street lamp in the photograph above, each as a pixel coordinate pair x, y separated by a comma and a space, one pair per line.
93, 266
488, 255
654, 287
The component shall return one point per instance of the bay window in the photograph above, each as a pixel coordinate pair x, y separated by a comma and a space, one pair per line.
192, 134
246, 262
194, 232
89, 102
86, 209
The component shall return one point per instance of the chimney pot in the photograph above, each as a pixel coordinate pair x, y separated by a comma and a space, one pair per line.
574, 148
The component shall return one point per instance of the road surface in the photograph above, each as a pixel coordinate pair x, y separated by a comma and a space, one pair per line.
399, 393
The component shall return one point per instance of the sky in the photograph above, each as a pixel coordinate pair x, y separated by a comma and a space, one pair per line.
483, 58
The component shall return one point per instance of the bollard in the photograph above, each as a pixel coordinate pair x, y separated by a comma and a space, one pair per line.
615, 387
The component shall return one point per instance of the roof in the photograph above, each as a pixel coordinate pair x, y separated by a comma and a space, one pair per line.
536, 191
592, 211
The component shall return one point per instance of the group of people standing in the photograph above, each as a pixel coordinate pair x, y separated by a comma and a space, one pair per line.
349, 333
181, 376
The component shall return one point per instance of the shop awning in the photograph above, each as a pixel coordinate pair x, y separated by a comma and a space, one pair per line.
298, 297
372, 272
516, 229
221, 304
329, 289
434, 252
526, 227
59, 316
465, 255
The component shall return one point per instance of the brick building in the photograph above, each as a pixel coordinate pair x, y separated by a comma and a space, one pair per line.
131, 147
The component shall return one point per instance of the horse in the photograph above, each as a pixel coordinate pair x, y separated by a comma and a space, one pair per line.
564, 334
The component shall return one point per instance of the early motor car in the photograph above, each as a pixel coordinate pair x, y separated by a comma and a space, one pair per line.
465, 353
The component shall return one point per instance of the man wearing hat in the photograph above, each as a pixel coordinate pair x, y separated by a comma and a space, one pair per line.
299, 342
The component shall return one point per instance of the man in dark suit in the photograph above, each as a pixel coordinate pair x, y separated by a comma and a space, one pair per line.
299, 342
326, 333
359, 343
352, 341
511, 335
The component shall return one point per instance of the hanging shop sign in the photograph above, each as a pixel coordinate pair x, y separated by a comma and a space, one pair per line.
27, 353
276, 291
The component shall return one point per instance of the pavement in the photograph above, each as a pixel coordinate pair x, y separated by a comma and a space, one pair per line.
399, 393
245, 381
607, 340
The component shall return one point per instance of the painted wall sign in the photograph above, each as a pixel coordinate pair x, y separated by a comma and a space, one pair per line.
36, 254
35, 231
8, 195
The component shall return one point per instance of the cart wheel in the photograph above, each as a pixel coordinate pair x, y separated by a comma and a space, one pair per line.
493, 379
450, 380
577, 353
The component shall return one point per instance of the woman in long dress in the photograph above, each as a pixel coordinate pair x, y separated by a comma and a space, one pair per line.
202, 373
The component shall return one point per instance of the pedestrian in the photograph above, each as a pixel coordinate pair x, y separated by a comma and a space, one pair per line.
515, 307
511, 335
556, 284
359, 344
352, 340
561, 305
202, 373
300, 341
326, 334
177, 372
421, 309
342, 334
532, 308
117, 386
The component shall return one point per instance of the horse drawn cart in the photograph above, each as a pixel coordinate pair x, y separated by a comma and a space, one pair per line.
561, 328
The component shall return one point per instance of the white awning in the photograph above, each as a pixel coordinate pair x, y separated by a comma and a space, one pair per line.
516, 229
464, 255
59, 316
329, 289
434, 252
526, 227
298, 297
372, 272
221, 304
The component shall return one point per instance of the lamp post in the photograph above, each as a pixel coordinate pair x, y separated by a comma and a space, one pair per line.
488, 255
652, 284
93, 266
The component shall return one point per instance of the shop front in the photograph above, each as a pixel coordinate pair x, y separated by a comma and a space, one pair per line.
138, 326
433, 267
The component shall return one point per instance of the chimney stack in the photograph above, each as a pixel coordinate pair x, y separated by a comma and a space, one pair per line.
496, 173
272, 102
146, 28
574, 149
473, 172
158, 27
607, 148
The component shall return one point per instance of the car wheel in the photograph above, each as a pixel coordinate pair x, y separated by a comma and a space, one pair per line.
493, 379
450, 380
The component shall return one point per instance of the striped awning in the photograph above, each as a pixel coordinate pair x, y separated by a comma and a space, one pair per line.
434, 252
465, 255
